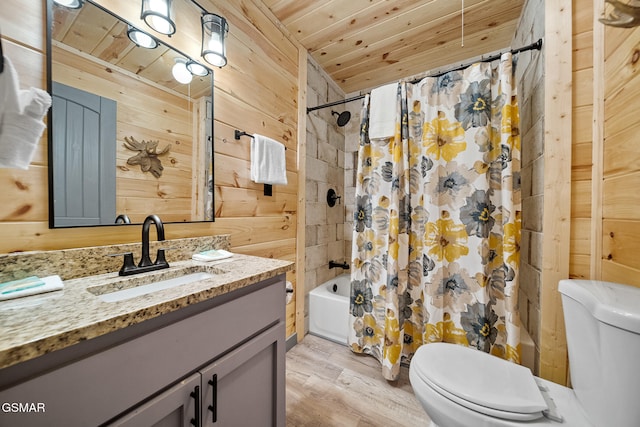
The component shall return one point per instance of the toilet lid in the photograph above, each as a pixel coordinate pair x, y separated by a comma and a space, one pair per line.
480, 381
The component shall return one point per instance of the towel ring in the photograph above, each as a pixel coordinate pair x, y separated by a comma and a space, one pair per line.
238, 133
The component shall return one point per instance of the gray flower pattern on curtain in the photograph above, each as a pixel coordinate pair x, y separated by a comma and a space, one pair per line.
437, 221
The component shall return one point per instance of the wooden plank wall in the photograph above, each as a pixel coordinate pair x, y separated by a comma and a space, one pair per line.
258, 91
557, 186
554, 363
605, 225
582, 137
621, 157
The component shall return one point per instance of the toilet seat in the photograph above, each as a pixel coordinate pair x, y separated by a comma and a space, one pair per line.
498, 389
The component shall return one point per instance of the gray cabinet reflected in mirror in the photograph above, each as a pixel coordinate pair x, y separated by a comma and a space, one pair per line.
130, 133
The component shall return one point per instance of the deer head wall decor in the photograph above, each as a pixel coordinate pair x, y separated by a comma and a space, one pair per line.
623, 15
147, 156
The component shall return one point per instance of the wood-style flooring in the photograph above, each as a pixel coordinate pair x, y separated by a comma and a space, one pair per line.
329, 385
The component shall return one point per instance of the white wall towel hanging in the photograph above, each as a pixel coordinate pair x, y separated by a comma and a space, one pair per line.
21, 114
268, 163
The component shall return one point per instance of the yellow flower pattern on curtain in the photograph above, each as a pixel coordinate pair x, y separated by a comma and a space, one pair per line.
436, 239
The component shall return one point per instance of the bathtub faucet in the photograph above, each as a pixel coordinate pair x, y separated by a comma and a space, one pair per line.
334, 264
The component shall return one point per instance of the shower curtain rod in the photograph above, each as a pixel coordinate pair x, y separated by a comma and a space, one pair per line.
533, 46
331, 104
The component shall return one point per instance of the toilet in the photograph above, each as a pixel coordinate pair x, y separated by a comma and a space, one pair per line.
460, 387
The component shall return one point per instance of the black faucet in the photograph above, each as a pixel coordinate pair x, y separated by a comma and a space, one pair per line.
334, 264
145, 263
123, 219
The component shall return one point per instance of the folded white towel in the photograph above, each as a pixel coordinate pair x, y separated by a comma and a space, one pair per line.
31, 286
382, 116
268, 161
212, 255
21, 114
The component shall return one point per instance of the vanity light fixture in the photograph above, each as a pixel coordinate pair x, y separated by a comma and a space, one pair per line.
141, 38
180, 72
71, 4
196, 68
214, 35
157, 15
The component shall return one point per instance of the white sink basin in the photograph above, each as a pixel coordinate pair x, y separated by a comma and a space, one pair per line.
132, 286
154, 287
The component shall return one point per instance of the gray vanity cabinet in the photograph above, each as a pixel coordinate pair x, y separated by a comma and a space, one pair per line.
246, 387
176, 407
146, 374
243, 388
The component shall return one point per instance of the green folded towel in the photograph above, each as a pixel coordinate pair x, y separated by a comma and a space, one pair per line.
20, 285
30, 286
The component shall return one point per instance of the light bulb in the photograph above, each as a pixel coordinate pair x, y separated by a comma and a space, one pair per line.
180, 72
215, 59
160, 6
215, 44
214, 51
160, 24
141, 38
157, 15
197, 69
214, 33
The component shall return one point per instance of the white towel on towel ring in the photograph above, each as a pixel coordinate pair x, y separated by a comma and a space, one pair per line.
268, 161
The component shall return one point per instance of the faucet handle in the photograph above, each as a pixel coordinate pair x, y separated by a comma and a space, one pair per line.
118, 254
128, 265
160, 255
160, 259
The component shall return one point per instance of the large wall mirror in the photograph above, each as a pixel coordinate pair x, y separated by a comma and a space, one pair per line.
130, 128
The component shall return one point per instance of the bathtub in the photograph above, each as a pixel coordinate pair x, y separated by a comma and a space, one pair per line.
329, 316
329, 309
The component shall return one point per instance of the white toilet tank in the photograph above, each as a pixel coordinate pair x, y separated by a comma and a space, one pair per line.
603, 337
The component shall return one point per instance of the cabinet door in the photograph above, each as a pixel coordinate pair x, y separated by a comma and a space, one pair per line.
246, 387
178, 406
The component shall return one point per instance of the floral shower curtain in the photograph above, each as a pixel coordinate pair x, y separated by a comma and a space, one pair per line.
435, 251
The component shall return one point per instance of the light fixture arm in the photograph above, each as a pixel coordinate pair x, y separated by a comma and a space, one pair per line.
199, 6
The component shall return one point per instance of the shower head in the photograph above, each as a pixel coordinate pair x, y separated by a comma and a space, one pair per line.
343, 118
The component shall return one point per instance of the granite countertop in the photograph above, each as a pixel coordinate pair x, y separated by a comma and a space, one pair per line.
39, 324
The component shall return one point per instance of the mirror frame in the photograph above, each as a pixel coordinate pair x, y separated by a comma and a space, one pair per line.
49, 69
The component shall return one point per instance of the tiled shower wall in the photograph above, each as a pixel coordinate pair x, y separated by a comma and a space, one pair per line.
325, 170
530, 75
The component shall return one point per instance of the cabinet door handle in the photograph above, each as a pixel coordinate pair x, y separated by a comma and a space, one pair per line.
214, 398
196, 396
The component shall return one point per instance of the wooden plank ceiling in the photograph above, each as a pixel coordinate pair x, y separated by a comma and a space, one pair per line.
367, 43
